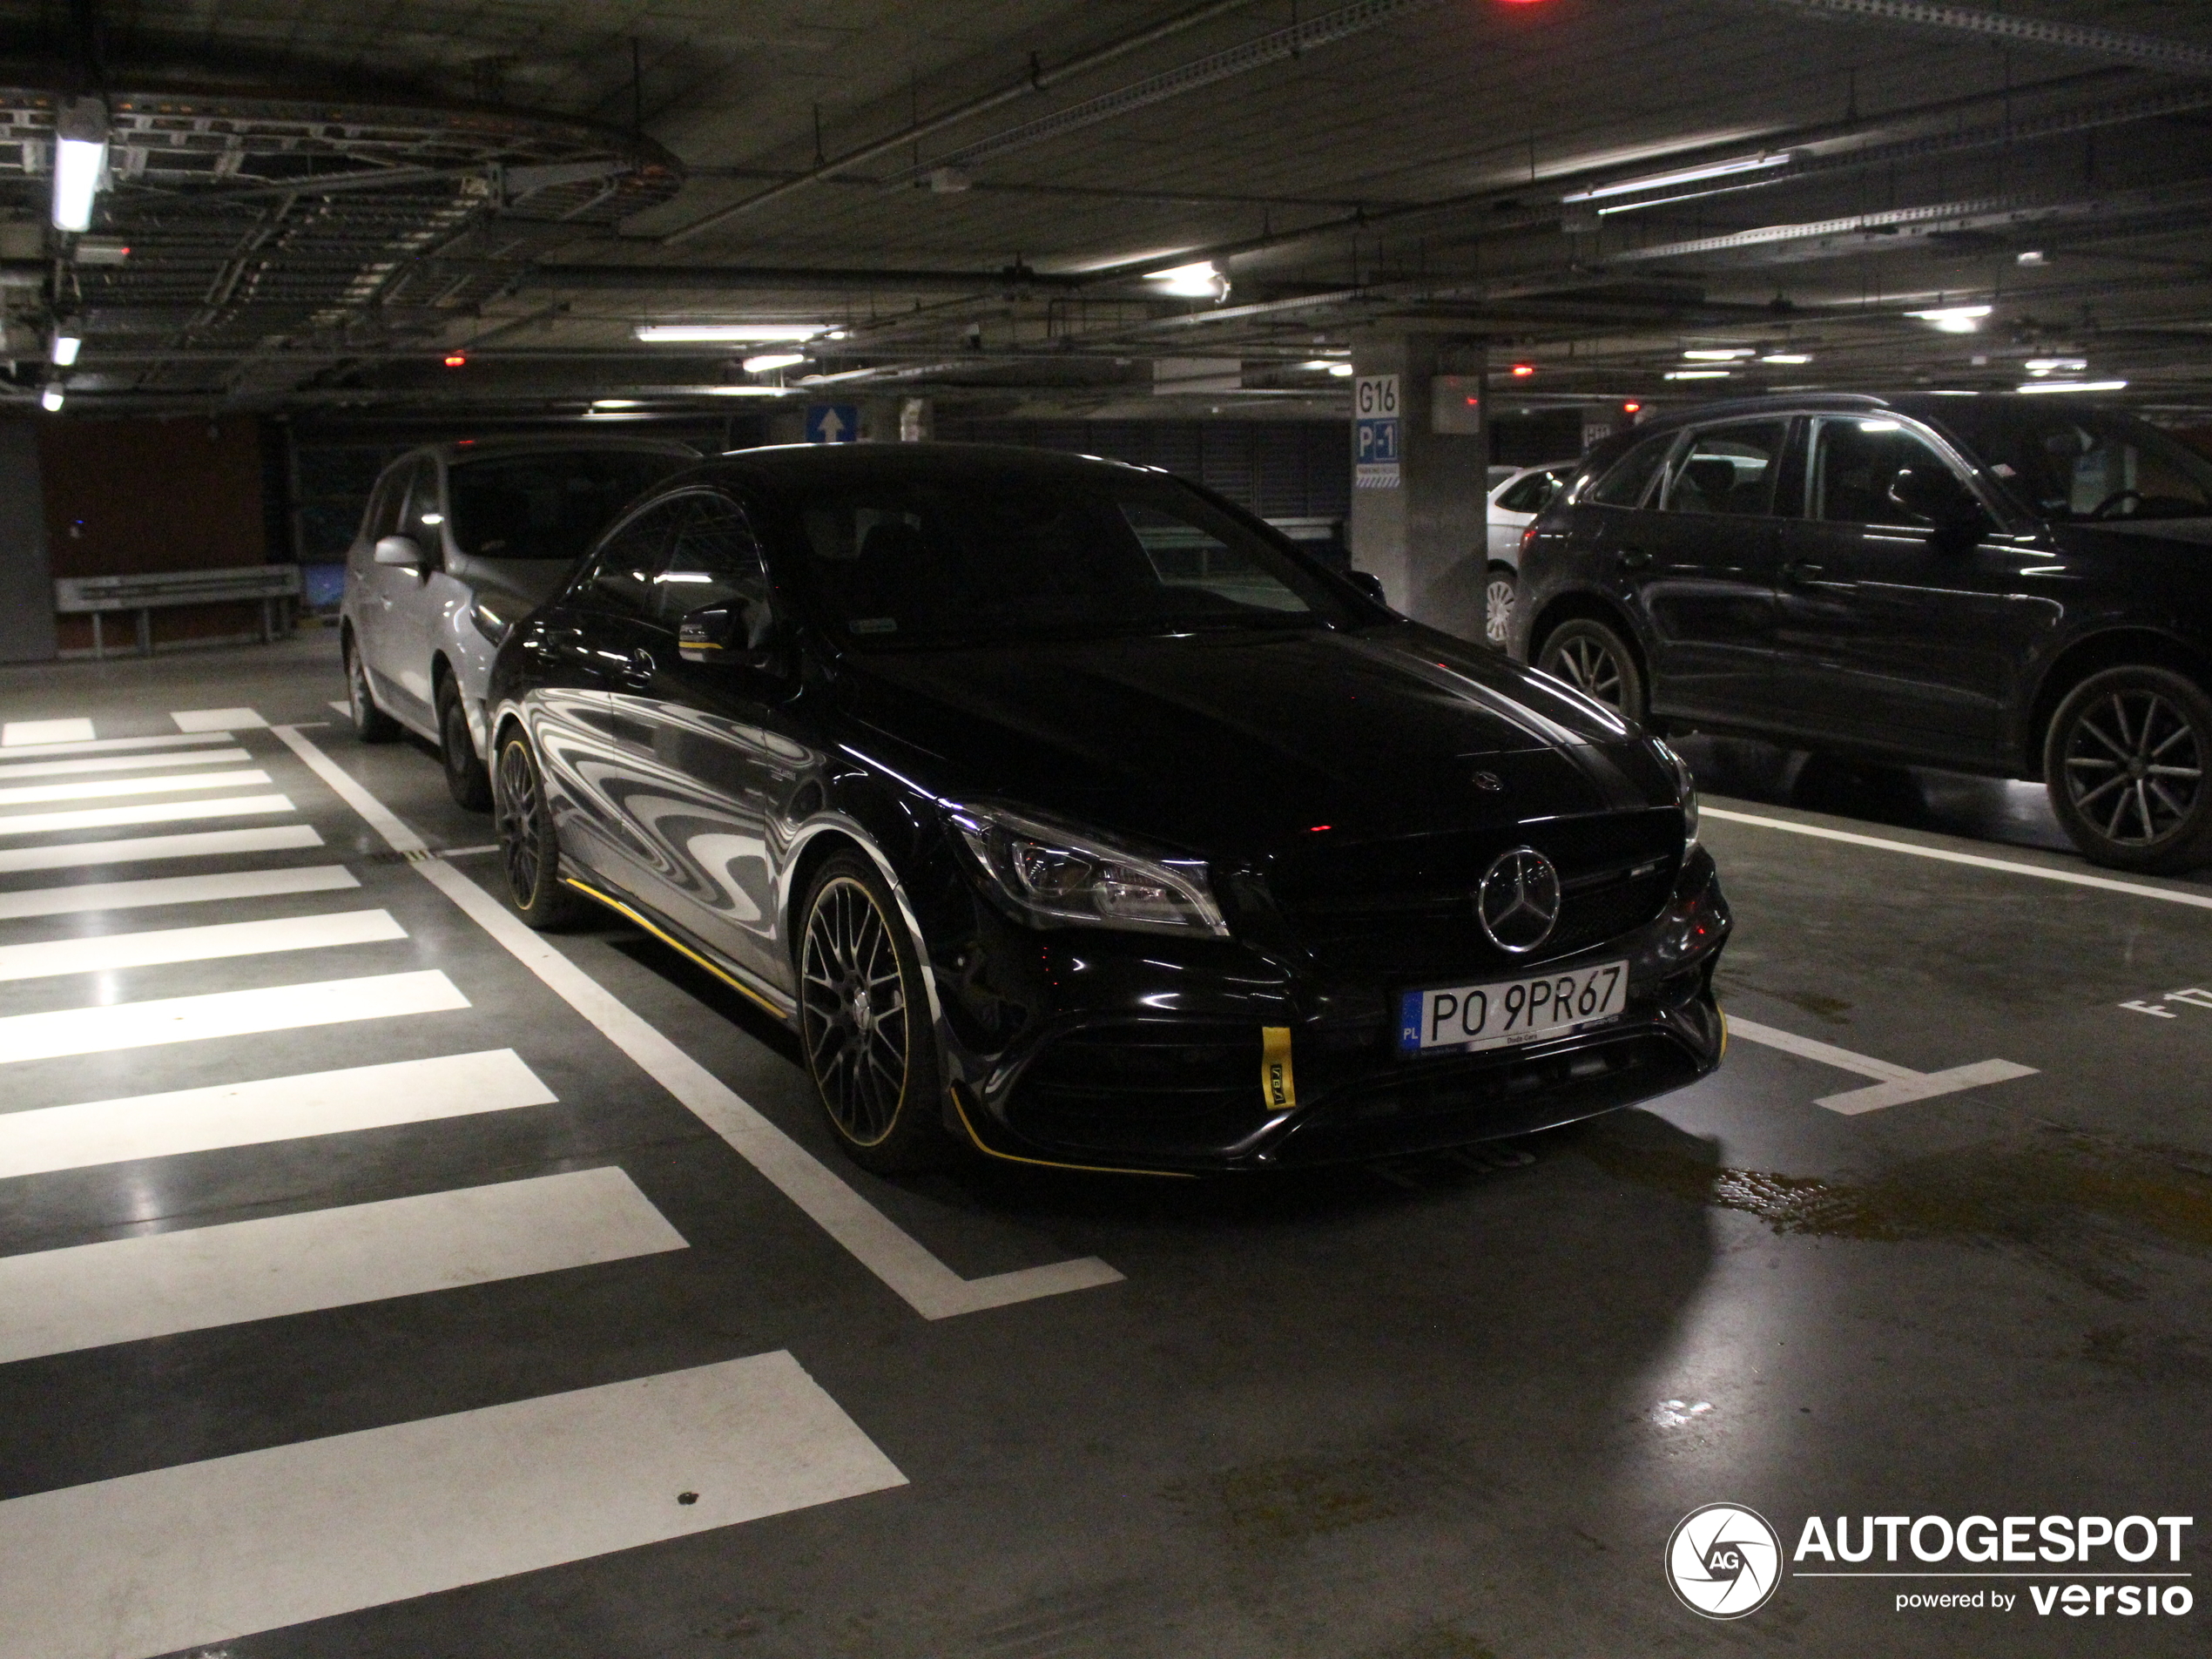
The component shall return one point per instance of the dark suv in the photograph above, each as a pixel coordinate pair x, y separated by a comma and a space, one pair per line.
2013, 585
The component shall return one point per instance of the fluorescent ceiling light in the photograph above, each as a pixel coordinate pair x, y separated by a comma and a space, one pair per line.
2071, 385
2035, 365
66, 346
1330, 364
1342, 371
767, 360
744, 391
1721, 354
1684, 176
694, 334
1199, 281
614, 403
80, 160
51, 398
1881, 426
1787, 357
1953, 319
1697, 374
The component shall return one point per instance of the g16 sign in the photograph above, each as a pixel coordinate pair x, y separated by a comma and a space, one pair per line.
1375, 431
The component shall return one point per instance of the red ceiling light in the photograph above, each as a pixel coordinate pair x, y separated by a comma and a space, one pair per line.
1630, 408
1522, 371
456, 359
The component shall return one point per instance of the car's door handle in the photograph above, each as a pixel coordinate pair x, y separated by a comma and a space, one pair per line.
637, 672
1798, 570
1635, 558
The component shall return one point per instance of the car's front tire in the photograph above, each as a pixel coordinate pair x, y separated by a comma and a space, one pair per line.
529, 847
466, 778
1596, 661
1499, 589
864, 1024
2126, 763
371, 724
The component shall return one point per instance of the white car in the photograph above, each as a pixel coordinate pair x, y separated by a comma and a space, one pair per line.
1514, 502
459, 541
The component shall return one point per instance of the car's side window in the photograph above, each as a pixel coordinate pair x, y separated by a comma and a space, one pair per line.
620, 578
1728, 470
1627, 481
425, 513
1857, 460
1533, 494
715, 557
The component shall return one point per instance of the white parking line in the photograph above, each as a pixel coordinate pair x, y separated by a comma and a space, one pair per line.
94, 788
80, 896
886, 1249
165, 811
271, 1109
158, 1284
223, 1014
120, 763
18, 733
1894, 1085
142, 849
108, 745
218, 720
208, 1552
1975, 860
99, 952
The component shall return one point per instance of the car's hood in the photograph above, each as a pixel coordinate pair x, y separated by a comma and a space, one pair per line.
1229, 742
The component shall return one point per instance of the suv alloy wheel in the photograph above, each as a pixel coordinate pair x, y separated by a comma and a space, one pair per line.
2126, 761
1596, 661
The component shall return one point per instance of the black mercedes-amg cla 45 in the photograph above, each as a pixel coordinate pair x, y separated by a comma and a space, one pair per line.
1069, 813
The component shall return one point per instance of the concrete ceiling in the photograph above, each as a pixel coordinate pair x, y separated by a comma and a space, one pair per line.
322, 201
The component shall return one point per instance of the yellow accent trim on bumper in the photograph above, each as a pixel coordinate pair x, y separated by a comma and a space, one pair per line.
1278, 1086
1723, 1054
674, 944
959, 1108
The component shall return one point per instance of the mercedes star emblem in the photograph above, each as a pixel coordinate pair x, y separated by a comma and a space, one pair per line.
1517, 901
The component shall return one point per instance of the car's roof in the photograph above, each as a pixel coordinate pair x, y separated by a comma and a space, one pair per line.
460, 450
798, 462
1922, 405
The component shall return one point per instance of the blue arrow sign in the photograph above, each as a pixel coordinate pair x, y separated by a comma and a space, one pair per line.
832, 423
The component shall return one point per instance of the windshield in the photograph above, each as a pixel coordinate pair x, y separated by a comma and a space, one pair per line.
1006, 559
2086, 463
550, 506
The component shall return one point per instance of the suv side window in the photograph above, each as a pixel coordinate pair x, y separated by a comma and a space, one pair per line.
715, 558
1728, 469
1627, 479
1856, 460
382, 517
619, 579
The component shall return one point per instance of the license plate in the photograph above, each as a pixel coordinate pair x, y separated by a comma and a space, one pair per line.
1461, 1017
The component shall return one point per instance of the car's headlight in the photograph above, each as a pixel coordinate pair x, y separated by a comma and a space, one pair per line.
1688, 792
491, 624
1059, 876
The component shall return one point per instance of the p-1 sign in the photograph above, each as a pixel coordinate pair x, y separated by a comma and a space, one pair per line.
1375, 431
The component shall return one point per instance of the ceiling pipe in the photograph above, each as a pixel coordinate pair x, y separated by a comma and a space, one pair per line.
2146, 51
1038, 80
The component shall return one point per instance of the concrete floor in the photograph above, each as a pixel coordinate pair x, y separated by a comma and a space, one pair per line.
1437, 1411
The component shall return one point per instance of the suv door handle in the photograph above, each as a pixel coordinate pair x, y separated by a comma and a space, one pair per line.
1798, 570
637, 672
1635, 558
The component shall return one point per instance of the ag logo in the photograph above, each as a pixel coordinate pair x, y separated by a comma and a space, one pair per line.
1723, 1560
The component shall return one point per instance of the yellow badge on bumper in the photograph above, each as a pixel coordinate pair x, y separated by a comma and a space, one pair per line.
1275, 1080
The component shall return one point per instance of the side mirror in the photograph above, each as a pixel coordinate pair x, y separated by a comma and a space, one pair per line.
1933, 492
738, 632
1371, 584
401, 550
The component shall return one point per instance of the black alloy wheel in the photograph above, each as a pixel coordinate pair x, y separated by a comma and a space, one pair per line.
863, 1021
528, 847
1596, 661
466, 776
371, 724
2125, 763
1498, 590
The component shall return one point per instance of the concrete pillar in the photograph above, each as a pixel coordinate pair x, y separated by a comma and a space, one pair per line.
26, 577
1421, 525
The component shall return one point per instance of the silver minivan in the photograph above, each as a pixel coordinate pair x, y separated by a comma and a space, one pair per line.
459, 541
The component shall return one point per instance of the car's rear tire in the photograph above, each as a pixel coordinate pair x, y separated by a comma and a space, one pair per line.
1499, 589
371, 724
2127, 762
529, 846
1596, 661
864, 1024
466, 776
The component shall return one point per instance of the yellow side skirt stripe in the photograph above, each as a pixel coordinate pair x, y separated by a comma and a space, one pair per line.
674, 944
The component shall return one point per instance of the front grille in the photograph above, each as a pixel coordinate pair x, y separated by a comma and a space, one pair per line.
1133, 1087
1404, 908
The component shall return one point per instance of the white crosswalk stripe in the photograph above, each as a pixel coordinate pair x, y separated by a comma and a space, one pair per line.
95, 788
218, 720
15, 733
224, 1014
142, 849
224, 938
119, 763
165, 811
111, 745
80, 896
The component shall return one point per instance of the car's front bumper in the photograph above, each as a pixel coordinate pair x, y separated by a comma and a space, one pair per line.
1136, 1053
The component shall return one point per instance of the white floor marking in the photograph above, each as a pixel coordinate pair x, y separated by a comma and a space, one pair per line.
345, 709
15, 733
218, 720
175, 889
94, 788
141, 849
881, 1245
206, 1553
223, 1014
108, 745
120, 762
1975, 860
156, 1284
164, 811
1894, 1085
273, 1108
100, 953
